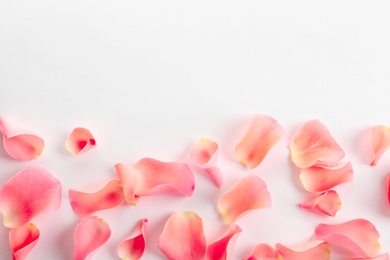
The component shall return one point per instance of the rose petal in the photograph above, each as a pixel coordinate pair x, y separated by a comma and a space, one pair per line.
27, 194
80, 140
264, 252
182, 237
378, 257
20, 144
359, 236
249, 193
314, 145
84, 204
388, 187
22, 240
263, 133
216, 175
318, 250
133, 246
130, 178
380, 141
222, 248
327, 203
90, 234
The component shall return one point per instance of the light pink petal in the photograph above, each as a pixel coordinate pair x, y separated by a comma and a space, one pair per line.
130, 179
380, 141
263, 133
327, 203
314, 145
133, 247
27, 194
22, 240
216, 175
378, 257
388, 187
223, 247
249, 193
182, 237
264, 252
318, 250
359, 236
80, 140
84, 204
90, 234
20, 144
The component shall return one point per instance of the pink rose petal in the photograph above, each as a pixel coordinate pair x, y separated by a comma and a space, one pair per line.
327, 203
264, 252
133, 246
313, 250
223, 247
378, 257
380, 141
80, 140
388, 187
22, 240
130, 179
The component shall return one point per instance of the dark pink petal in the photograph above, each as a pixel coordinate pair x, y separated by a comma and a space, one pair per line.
380, 141
263, 133
327, 203
80, 140
359, 236
20, 144
247, 194
130, 178
318, 250
90, 234
223, 247
264, 252
133, 246
314, 145
27, 194
378, 257
22, 240
182, 237
84, 204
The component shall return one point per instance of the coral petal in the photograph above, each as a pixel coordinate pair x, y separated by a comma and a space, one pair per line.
327, 203
22, 240
223, 247
264, 252
133, 247
380, 141
378, 257
318, 250
202, 151
130, 179
80, 140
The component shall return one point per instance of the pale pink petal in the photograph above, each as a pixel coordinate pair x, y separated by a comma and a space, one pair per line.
183, 237
22, 240
263, 133
264, 252
314, 145
318, 250
216, 175
84, 204
388, 187
20, 144
130, 178
27, 194
133, 247
327, 203
380, 141
359, 236
247, 194
378, 257
223, 247
319, 179
80, 140
90, 234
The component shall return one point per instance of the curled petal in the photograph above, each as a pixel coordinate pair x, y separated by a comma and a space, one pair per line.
90, 234
264, 252
80, 140
22, 240
314, 145
133, 247
359, 236
216, 175
223, 247
27, 194
380, 141
20, 144
183, 237
378, 257
84, 204
318, 250
249, 193
327, 203
263, 133
130, 179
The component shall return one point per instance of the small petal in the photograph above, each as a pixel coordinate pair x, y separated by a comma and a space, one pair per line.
223, 247
388, 187
133, 247
359, 236
264, 252
130, 178
90, 234
22, 240
378, 257
263, 133
380, 141
183, 237
327, 203
216, 175
318, 250
314, 145
249, 193
80, 140
27, 194
84, 204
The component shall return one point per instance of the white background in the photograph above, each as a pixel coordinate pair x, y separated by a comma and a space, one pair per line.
149, 78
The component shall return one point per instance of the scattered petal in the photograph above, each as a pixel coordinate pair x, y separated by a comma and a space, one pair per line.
216, 175
133, 247
318, 250
223, 247
22, 240
80, 140
264, 252
378, 257
380, 141
327, 203
130, 179
388, 187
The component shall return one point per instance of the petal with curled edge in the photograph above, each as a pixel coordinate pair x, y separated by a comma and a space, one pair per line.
84, 203
378, 257
358, 236
19, 143
129, 178
90, 234
183, 237
80, 140
247, 194
264, 252
317, 249
313, 145
133, 247
22, 240
222, 248
263, 133
28, 193
380, 141
327, 203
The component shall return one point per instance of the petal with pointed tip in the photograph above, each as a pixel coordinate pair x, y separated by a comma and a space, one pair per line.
130, 179
327, 203
380, 141
80, 140
133, 247
264, 252
216, 175
378, 257
223, 247
318, 250
22, 240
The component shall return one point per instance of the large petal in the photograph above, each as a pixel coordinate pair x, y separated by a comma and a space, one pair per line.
327, 203
20, 144
380, 141
84, 204
378, 257
263, 133
130, 178
22, 240
222, 248
183, 237
314, 145
80, 140
90, 234
359, 236
249, 193
133, 247
318, 250
27, 194
264, 252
